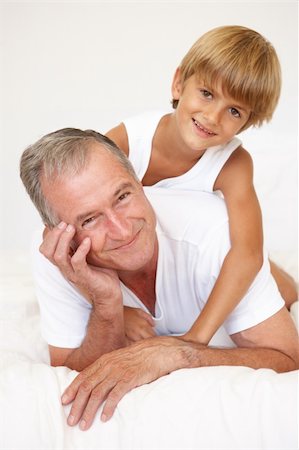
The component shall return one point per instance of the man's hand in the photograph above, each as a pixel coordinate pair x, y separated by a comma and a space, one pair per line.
99, 286
271, 344
138, 324
116, 373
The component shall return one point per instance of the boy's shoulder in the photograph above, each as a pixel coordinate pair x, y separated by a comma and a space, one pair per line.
145, 116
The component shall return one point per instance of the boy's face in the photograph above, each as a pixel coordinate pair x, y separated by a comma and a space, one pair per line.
206, 116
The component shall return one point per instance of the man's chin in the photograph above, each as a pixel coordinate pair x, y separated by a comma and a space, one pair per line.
118, 264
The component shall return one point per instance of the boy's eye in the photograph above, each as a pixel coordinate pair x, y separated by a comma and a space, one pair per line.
235, 112
206, 94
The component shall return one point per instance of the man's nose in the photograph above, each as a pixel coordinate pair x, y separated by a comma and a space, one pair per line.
118, 227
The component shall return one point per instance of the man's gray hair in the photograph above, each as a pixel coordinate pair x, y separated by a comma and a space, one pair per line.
63, 152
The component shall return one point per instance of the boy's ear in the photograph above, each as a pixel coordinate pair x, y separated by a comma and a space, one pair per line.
176, 88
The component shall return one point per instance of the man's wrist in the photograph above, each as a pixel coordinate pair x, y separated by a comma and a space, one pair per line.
176, 353
107, 302
188, 353
109, 313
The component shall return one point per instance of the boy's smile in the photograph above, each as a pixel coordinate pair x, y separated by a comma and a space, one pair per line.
206, 117
204, 132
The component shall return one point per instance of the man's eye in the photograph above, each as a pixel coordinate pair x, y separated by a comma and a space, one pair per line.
206, 94
123, 196
88, 221
234, 112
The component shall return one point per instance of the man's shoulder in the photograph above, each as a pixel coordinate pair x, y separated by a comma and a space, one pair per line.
183, 213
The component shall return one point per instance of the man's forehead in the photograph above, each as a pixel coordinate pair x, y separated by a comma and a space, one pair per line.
97, 152
100, 170
96, 149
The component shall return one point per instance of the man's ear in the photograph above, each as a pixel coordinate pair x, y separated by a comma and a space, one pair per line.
46, 231
176, 88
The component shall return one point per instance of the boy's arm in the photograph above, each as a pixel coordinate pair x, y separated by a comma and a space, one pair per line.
245, 258
119, 135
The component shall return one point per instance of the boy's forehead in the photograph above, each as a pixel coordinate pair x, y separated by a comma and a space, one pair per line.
216, 83
220, 86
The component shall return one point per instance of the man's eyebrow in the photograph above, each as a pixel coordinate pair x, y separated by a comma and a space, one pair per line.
83, 216
125, 185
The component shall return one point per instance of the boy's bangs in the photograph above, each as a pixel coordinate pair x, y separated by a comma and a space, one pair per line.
237, 84
244, 86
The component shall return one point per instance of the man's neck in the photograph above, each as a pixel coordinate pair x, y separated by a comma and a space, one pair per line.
143, 282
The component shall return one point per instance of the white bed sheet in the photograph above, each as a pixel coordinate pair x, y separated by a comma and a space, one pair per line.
231, 408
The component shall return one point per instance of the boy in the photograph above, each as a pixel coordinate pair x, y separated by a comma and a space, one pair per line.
228, 81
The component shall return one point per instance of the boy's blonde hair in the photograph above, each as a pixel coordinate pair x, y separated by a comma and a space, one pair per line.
245, 64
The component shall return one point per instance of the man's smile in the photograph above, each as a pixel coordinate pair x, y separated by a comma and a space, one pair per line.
127, 244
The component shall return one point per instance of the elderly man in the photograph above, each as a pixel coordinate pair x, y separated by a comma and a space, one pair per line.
110, 245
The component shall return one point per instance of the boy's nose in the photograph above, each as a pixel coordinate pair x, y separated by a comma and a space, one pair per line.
212, 115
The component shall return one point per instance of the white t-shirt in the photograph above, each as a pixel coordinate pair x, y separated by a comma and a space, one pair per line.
193, 238
201, 177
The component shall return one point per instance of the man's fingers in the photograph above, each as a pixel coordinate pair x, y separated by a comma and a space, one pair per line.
146, 316
146, 332
150, 332
82, 394
88, 377
57, 246
95, 400
71, 391
62, 252
142, 331
78, 259
80, 403
149, 319
113, 399
50, 240
90, 395
88, 402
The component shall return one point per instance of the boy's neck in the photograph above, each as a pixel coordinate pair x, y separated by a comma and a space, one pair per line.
170, 144
169, 156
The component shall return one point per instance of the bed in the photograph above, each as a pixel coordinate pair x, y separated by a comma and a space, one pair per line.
207, 408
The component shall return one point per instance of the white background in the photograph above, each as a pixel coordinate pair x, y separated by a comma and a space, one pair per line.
90, 64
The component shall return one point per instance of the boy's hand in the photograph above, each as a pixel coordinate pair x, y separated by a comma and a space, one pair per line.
100, 286
138, 324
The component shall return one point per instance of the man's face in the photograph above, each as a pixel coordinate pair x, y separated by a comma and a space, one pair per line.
105, 203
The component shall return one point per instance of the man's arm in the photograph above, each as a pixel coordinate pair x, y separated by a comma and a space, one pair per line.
104, 333
271, 344
105, 330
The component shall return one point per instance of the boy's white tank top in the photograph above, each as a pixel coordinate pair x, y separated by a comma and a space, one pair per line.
201, 177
